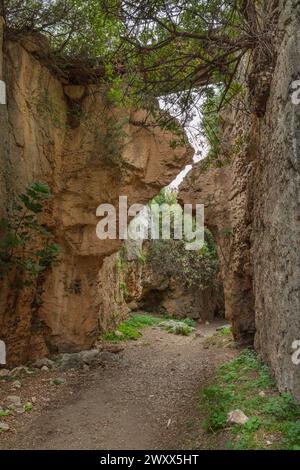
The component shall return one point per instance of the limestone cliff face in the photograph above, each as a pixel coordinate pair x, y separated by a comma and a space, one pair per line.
257, 196
276, 214
60, 134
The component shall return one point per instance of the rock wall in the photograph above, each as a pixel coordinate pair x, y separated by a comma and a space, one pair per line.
112, 303
276, 214
59, 134
257, 197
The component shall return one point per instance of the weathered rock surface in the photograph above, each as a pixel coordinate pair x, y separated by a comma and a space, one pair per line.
13, 400
4, 427
237, 417
16, 384
21, 370
52, 133
227, 196
4, 372
44, 362
81, 359
168, 295
255, 200
111, 299
276, 214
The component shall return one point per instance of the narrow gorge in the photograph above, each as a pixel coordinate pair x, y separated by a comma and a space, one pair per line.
62, 126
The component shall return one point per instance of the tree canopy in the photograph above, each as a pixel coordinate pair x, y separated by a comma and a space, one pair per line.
176, 50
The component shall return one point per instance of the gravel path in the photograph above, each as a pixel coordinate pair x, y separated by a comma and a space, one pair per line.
146, 400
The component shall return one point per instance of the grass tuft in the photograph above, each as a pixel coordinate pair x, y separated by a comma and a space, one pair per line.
177, 327
130, 329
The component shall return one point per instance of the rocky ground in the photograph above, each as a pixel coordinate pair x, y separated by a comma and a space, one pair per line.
138, 395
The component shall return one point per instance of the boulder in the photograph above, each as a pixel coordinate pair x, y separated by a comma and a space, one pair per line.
237, 417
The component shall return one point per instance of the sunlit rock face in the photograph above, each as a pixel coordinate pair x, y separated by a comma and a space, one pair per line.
256, 196
60, 134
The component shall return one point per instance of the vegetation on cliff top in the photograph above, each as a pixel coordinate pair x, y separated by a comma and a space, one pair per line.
176, 50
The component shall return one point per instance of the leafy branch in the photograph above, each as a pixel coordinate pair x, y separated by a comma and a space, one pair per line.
26, 245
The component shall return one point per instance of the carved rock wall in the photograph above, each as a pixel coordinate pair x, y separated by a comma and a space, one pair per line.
257, 196
57, 133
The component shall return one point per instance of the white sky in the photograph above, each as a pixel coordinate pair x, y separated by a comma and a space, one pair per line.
200, 147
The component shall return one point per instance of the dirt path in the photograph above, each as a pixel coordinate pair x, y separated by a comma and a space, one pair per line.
147, 400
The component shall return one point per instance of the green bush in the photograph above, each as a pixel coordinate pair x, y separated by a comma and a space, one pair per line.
177, 327
195, 269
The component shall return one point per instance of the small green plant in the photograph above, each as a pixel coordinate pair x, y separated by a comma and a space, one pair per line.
121, 262
291, 431
224, 332
5, 413
130, 328
238, 145
22, 233
227, 232
189, 322
282, 407
123, 288
142, 258
58, 381
178, 327
221, 339
28, 407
